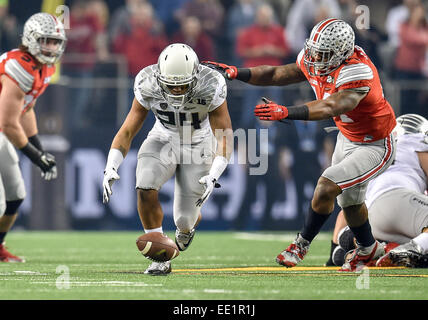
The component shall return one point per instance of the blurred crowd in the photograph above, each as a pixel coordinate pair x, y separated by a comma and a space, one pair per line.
240, 32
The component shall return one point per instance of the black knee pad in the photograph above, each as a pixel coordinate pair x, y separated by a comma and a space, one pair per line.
12, 207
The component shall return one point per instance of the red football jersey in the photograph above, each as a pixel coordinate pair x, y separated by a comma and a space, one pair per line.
373, 118
22, 68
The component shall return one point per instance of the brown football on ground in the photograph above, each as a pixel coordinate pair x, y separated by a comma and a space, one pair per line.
157, 246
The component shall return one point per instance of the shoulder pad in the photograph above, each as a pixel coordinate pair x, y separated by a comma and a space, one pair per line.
21, 67
353, 72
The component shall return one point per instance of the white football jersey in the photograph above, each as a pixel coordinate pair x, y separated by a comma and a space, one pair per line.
405, 171
191, 118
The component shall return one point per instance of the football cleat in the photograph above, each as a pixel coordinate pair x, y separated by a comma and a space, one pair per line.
346, 240
183, 240
361, 257
338, 256
6, 256
159, 268
405, 255
295, 252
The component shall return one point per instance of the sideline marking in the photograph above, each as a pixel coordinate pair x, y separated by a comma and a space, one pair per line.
279, 269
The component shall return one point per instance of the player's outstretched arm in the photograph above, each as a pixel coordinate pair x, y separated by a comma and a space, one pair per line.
335, 105
276, 75
338, 103
121, 145
261, 75
221, 126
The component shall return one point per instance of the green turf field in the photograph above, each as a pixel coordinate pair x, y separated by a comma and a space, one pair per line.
218, 266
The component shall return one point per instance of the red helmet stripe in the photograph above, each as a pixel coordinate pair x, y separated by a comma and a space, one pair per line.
56, 22
321, 27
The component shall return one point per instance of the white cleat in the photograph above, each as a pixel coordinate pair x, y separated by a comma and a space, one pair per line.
159, 268
183, 240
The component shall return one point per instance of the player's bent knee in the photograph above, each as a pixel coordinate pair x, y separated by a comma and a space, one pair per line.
12, 207
325, 194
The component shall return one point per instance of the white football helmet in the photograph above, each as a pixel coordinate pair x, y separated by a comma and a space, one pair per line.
37, 30
177, 67
411, 123
331, 42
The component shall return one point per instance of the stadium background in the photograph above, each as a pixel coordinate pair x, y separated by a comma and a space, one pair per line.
111, 40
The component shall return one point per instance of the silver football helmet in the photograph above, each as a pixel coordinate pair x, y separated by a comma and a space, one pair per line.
411, 123
177, 73
331, 42
39, 30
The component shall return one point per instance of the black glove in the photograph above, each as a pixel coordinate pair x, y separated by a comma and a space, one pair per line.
44, 160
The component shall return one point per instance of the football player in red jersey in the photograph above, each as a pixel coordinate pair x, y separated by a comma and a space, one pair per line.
24, 75
347, 89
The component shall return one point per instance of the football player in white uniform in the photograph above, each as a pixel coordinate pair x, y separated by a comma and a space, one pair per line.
396, 200
191, 138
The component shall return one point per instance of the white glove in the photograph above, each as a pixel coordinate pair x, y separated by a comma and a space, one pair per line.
110, 176
50, 174
209, 182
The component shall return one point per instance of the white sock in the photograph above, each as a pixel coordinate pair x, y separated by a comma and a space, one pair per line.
422, 240
154, 230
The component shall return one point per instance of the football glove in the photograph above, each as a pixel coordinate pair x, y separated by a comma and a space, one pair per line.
209, 183
50, 174
270, 111
46, 162
110, 176
229, 72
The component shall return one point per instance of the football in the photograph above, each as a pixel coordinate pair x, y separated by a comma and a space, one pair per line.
157, 246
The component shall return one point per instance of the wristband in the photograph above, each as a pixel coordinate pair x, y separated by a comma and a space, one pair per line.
31, 152
298, 112
114, 159
35, 141
219, 165
243, 74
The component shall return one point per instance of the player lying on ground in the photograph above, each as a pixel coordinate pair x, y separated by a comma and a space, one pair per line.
397, 205
189, 102
24, 75
348, 89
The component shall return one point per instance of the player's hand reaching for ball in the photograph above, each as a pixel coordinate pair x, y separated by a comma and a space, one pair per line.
270, 111
110, 176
